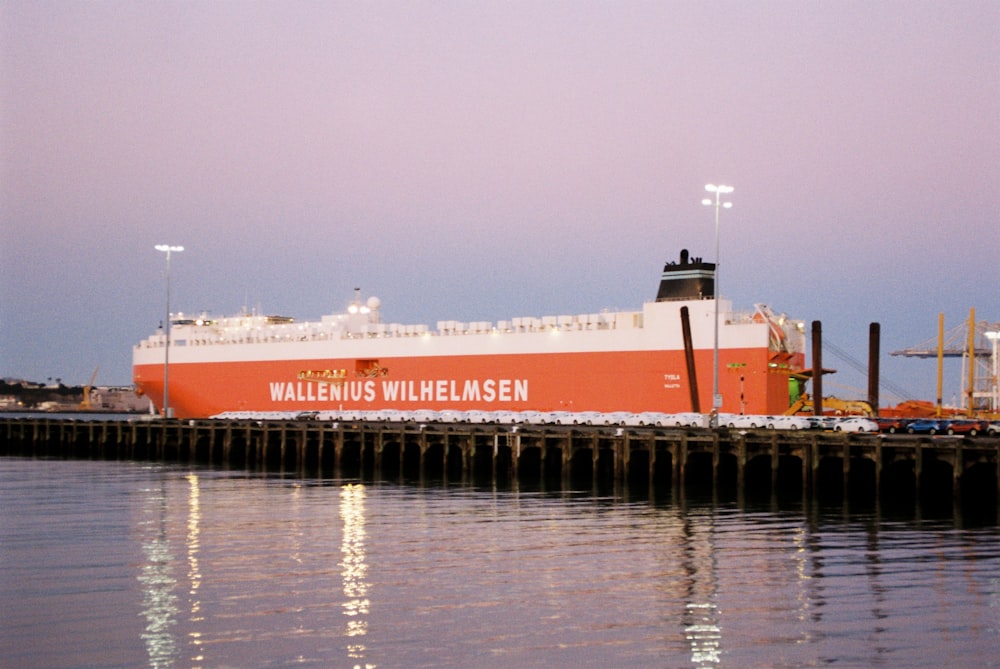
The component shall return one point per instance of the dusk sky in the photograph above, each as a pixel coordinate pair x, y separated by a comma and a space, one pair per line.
484, 160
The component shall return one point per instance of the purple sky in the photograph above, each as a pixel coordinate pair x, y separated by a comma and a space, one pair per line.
483, 160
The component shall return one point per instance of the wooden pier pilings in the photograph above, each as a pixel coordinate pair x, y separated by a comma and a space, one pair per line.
807, 462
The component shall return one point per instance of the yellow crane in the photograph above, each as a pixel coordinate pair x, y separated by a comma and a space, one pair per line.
85, 404
804, 405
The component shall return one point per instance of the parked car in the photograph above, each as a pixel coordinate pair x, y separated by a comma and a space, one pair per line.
744, 421
620, 418
529, 417
792, 423
993, 429
506, 417
423, 416
925, 426
391, 415
821, 422
556, 418
893, 425
855, 424
969, 427
657, 418
687, 419
587, 418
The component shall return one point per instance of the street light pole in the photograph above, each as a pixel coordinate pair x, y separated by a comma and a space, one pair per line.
719, 191
167, 411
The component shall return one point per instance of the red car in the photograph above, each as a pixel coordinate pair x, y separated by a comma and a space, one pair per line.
893, 425
969, 427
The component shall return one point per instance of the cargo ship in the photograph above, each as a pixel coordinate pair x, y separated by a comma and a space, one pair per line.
603, 361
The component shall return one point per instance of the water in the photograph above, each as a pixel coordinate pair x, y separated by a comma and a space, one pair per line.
118, 564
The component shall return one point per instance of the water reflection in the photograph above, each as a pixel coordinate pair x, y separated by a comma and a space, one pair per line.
701, 615
159, 603
354, 570
405, 576
194, 570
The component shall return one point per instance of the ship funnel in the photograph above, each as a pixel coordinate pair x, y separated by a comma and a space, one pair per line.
690, 279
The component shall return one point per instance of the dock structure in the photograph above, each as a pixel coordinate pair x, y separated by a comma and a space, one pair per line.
779, 461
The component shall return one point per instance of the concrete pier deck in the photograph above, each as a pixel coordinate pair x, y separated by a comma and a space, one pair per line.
779, 461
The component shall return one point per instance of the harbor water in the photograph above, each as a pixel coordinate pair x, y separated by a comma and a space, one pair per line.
130, 564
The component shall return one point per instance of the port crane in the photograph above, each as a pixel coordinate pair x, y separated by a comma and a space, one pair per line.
85, 405
975, 342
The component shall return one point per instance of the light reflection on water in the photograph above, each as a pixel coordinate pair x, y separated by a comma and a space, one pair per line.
156, 575
354, 569
161, 566
701, 615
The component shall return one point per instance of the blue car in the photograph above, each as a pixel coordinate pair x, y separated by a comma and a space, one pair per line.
926, 426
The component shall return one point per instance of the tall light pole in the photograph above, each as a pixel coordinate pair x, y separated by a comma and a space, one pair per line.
719, 191
167, 411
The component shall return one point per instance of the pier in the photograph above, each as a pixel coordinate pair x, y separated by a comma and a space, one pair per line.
809, 462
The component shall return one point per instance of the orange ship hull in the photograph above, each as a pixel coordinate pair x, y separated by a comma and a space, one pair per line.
602, 381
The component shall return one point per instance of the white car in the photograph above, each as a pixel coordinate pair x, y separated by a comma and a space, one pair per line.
423, 416
657, 418
477, 416
555, 418
529, 417
791, 423
586, 418
620, 418
391, 415
821, 422
688, 419
505, 417
855, 424
744, 421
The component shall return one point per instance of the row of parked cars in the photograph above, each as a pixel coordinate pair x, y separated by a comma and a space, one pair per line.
799, 422
963, 426
621, 418
648, 418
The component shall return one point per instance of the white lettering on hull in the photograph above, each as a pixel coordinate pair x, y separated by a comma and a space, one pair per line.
485, 391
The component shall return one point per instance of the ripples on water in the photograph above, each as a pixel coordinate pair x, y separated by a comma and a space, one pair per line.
110, 564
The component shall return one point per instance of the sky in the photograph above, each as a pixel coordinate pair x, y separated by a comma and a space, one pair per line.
480, 160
